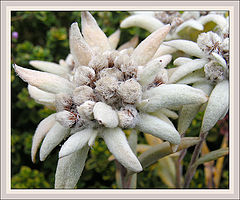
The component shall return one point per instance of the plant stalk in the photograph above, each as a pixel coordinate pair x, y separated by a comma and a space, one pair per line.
179, 168
124, 180
191, 168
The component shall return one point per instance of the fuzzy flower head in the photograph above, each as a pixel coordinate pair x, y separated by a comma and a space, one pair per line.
216, 49
98, 91
208, 71
187, 24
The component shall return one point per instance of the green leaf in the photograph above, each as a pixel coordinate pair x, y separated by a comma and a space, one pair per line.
213, 155
159, 151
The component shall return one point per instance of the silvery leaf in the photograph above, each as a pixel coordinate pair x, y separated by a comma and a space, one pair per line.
217, 105
148, 47
76, 142
159, 128
69, 169
44, 80
117, 144
93, 35
114, 39
144, 21
55, 135
187, 46
43, 127
79, 48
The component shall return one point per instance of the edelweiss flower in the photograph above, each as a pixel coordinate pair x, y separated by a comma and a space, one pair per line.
209, 73
98, 91
188, 24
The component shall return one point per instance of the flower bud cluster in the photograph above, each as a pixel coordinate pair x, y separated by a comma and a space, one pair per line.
216, 49
214, 72
170, 17
111, 78
209, 42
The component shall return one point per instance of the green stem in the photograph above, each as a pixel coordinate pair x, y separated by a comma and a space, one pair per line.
191, 168
179, 168
159, 151
124, 180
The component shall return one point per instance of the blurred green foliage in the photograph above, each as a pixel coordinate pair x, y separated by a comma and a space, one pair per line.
29, 178
44, 36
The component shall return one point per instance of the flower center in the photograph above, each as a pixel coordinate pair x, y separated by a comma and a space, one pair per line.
109, 78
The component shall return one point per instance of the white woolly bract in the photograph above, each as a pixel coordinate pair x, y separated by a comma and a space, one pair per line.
191, 23
69, 169
92, 34
41, 96
44, 80
76, 142
196, 76
105, 115
49, 67
181, 60
220, 60
205, 86
163, 50
148, 47
163, 60
186, 115
132, 141
117, 144
55, 135
186, 68
149, 13
217, 105
92, 138
69, 60
175, 108
217, 19
150, 71
159, 128
63, 63
168, 113
167, 95
187, 46
170, 71
114, 39
79, 49
147, 22
43, 127
130, 44
162, 76
188, 112
163, 117
224, 114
